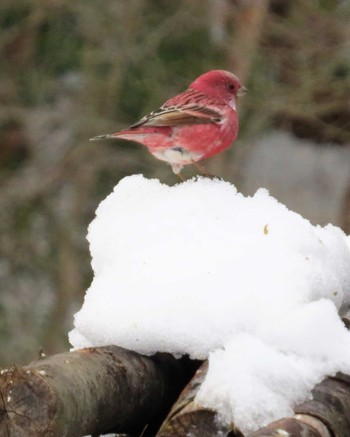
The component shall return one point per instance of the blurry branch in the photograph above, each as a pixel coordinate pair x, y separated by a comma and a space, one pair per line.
238, 26
345, 213
249, 17
146, 46
38, 180
89, 391
45, 207
120, 53
16, 44
241, 43
217, 10
34, 181
327, 130
68, 279
306, 45
14, 145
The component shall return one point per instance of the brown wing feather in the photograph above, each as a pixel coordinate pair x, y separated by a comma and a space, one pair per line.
176, 116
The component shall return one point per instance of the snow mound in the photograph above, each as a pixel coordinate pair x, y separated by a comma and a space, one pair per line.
200, 269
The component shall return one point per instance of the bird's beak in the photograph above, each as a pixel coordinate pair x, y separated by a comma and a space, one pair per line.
241, 91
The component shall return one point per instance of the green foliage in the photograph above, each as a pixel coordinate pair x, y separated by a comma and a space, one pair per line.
14, 13
188, 52
134, 94
59, 44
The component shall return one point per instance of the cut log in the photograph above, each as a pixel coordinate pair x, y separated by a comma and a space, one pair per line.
326, 415
90, 391
292, 427
189, 418
110, 389
331, 404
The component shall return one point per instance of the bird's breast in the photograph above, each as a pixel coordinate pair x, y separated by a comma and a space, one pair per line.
177, 155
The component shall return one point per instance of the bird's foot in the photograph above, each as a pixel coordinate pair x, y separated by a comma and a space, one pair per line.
204, 171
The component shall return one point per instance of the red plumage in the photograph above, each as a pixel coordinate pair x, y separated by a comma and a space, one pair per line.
194, 125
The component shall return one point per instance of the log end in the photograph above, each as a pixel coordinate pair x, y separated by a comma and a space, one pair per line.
26, 403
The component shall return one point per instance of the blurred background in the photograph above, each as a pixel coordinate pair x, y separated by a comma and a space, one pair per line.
72, 70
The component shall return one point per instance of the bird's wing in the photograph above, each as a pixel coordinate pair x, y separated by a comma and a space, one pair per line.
179, 115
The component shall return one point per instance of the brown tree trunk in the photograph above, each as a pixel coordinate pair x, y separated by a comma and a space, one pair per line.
345, 213
90, 391
245, 20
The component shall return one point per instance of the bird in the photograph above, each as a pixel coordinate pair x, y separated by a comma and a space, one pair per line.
195, 124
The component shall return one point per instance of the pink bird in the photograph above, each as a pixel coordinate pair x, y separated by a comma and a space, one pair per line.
194, 125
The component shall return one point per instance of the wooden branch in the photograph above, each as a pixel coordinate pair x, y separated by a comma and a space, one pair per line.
106, 389
292, 427
90, 391
326, 415
189, 418
331, 404
249, 17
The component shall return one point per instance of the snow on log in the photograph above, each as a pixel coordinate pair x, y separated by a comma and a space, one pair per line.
326, 415
187, 417
242, 282
330, 404
104, 389
89, 391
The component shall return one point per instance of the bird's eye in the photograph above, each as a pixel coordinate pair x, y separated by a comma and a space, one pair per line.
231, 87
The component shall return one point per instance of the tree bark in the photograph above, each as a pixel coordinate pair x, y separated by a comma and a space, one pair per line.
110, 389
244, 20
292, 427
326, 415
90, 391
189, 418
331, 404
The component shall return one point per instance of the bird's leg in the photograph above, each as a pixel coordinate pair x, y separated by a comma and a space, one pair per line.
180, 176
203, 170
177, 169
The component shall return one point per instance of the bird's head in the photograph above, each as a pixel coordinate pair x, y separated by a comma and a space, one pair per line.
220, 84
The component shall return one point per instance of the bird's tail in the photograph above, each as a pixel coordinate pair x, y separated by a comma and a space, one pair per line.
103, 137
127, 134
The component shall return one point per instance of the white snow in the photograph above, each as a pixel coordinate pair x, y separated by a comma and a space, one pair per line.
200, 269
